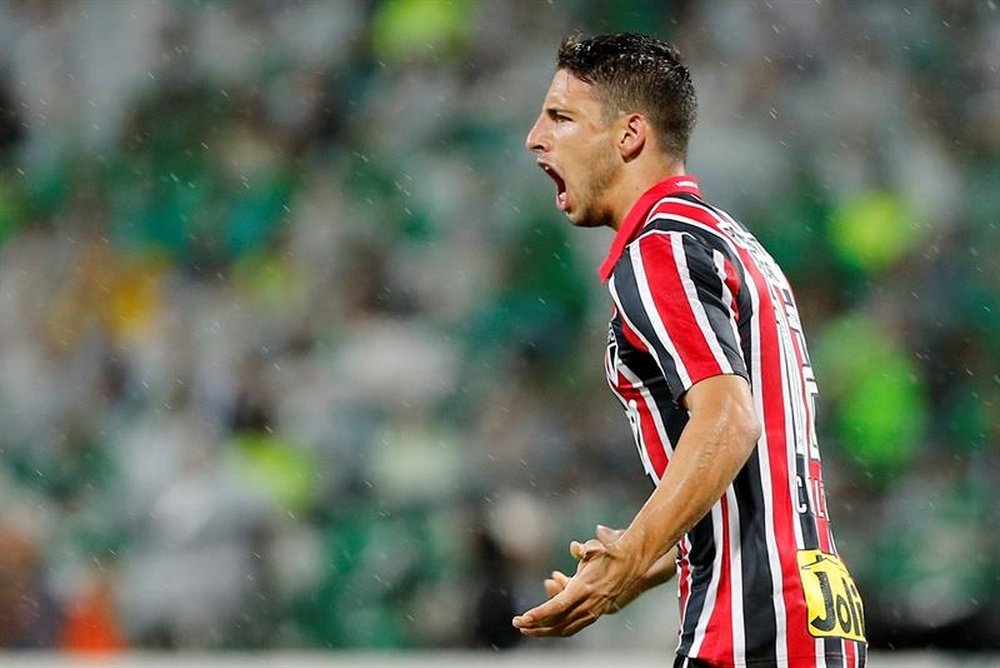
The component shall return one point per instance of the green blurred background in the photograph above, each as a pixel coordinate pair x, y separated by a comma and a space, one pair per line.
296, 352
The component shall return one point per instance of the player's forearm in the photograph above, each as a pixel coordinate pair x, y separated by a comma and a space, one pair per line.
712, 449
662, 570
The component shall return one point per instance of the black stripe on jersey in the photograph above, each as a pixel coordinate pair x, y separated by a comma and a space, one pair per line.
633, 309
758, 599
700, 561
833, 648
810, 535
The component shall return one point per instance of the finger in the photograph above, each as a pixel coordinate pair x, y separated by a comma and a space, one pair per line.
592, 548
551, 612
556, 583
571, 626
584, 551
548, 631
608, 535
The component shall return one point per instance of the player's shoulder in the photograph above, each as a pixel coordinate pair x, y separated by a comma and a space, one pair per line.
692, 217
685, 212
681, 220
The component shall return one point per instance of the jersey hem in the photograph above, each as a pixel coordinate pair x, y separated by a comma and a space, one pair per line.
841, 658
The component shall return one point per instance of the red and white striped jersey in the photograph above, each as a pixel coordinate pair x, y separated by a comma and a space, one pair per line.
695, 296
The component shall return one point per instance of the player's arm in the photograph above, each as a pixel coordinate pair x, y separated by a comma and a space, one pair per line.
671, 293
713, 447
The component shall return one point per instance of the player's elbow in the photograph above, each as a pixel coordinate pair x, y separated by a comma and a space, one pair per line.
741, 430
742, 422
746, 426
727, 403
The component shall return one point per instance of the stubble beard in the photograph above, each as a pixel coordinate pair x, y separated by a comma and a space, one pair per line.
593, 211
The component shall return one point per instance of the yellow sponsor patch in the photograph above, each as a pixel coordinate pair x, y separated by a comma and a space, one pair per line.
835, 609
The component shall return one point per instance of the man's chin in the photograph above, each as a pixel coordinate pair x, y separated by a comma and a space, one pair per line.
585, 219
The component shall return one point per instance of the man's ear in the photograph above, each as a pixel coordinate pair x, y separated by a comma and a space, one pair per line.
633, 136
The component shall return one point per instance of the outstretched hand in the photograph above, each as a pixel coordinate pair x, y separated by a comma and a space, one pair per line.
603, 583
576, 602
558, 580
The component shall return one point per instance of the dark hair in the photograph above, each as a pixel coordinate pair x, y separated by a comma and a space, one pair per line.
637, 73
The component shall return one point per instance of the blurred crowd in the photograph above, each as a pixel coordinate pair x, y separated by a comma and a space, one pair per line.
296, 351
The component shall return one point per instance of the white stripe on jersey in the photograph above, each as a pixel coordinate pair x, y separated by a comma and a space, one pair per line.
654, 318
736, 578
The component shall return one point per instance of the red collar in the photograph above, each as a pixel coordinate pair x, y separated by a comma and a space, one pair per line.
636, 218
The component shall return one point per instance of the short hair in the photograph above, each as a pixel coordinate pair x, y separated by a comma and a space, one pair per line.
637, 73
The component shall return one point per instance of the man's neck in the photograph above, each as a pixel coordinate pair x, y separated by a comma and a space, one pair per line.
635, 180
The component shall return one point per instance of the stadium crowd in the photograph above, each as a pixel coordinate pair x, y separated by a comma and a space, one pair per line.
295, 350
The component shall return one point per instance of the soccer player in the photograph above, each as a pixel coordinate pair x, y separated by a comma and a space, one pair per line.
706, 354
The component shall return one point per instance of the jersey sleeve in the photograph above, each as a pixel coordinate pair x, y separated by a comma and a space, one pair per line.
672, 294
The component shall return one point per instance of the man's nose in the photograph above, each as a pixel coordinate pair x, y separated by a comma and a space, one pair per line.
535, 141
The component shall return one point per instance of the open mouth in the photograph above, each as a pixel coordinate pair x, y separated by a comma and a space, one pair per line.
562, 201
